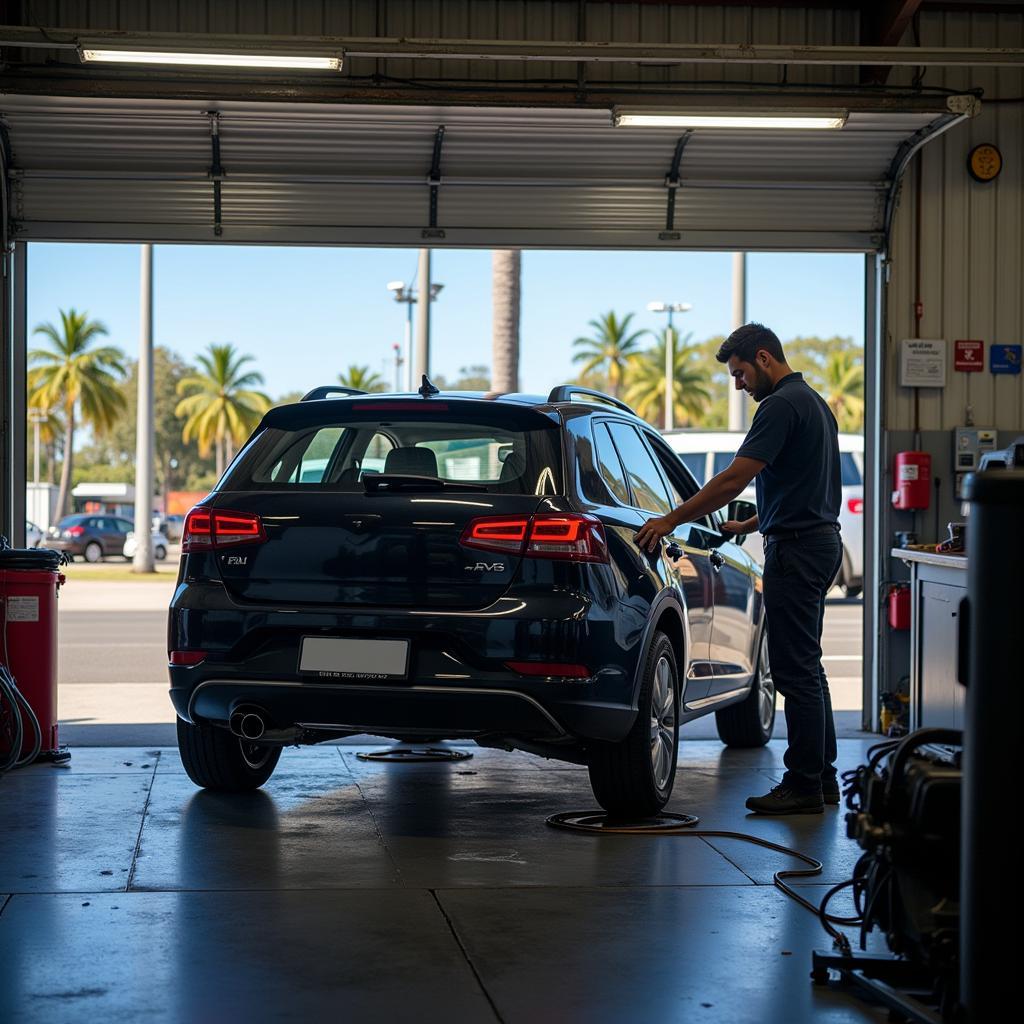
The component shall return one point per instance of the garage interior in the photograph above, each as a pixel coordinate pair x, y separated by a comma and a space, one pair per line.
437, 890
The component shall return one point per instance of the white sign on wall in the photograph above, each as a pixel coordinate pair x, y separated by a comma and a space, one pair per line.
923, 363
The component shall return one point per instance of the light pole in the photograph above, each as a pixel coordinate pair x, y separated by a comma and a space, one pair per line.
670, 351
738, 407
143, 559
37, 417
406, 293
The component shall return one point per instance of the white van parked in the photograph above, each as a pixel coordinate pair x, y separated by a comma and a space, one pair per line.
706, 453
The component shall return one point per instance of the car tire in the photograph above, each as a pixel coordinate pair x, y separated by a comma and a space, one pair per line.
750, 723
216, 759
634, 777
93, 552
160, 554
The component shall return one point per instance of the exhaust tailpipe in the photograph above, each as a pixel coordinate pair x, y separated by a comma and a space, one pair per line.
253, 725
248, 723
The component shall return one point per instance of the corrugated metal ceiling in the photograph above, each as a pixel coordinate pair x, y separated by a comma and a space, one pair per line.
357, 174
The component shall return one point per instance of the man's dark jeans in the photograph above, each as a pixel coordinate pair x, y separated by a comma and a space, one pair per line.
797, 574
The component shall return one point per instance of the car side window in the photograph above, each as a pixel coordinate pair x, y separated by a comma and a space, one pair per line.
696, 463
608, 464
649, 492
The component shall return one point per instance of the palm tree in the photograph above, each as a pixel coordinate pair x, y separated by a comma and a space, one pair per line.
691, 385
506, 275
844, 385
220, 406
71, 375
362, 378
609, 350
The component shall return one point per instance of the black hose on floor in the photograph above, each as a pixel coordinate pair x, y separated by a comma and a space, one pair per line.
666, 824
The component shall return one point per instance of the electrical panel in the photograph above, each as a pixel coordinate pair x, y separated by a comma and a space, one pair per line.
969, 444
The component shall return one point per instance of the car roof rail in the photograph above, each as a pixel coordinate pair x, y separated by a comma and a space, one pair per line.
564, 393
327, 390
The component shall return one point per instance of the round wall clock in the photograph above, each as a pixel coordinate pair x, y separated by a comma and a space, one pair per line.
984, 162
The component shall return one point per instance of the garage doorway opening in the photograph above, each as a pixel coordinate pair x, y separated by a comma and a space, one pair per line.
311, 316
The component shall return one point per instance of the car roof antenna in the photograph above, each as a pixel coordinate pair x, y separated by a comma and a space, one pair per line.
426, 389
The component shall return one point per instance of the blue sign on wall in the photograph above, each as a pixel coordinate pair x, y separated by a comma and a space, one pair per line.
1005, 358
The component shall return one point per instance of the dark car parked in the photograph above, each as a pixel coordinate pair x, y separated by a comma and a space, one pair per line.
461, 566
91, 536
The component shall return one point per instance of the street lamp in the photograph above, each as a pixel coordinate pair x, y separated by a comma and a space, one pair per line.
670, 350
406, 293
37, 417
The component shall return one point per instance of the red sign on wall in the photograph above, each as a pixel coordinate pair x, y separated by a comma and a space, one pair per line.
969, 356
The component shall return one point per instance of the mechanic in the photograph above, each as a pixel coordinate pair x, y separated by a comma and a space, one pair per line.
792, 449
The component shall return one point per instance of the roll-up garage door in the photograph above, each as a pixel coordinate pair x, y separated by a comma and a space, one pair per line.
184, 171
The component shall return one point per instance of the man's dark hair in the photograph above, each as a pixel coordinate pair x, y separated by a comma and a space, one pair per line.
746, 341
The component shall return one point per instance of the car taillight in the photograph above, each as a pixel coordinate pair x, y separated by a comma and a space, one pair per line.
855, 505
549, 668
74, 531
572, 537
496, 533
186, 657
566, 536
215, 528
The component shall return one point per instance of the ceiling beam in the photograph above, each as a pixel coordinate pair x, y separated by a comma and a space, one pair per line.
883, 23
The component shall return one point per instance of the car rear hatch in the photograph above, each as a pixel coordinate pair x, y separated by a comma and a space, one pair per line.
381, 502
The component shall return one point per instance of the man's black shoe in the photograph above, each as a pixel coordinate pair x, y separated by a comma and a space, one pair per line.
830, 789
783, 800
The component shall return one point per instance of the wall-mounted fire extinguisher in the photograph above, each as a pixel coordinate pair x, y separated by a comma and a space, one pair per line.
912, 473
899, 606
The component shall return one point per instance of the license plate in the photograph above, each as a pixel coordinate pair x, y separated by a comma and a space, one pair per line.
346, 658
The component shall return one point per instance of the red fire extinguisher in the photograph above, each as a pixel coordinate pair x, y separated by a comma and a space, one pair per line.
912, 473
899, 606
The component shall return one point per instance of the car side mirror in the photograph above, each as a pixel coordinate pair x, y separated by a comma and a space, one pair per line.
740, 511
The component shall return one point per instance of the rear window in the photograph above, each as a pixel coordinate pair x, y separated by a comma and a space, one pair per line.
850, 471
505, 459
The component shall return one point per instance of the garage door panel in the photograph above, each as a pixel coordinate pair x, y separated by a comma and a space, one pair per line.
309, 172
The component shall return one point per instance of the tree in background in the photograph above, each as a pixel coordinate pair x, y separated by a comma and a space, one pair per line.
177, 462
609, 350
645, 383
220, 408
72, 375
506, 292
362, 378
289, 398
844, 388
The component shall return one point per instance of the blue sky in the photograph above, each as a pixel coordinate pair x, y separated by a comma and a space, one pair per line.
307, 313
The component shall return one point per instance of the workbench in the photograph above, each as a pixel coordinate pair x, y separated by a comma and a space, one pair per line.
938, 582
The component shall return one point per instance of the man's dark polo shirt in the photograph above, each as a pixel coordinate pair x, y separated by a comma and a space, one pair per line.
796, 435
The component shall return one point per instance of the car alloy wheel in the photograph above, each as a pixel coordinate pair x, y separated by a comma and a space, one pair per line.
766, 687
255, 755
663, 723
93, 552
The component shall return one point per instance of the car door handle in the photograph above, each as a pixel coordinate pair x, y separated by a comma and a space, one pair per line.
673, 550
717, 561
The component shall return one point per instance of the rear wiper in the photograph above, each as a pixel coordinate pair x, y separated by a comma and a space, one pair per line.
375, 483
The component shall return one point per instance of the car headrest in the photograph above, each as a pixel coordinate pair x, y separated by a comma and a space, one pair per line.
513, 467
412, 461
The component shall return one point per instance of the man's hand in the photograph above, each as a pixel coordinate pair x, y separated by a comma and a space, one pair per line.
650, 534
732, 527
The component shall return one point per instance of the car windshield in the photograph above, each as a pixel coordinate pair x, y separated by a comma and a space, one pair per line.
518, 453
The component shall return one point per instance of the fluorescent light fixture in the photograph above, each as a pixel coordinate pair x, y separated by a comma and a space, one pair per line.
677, 119
267, 61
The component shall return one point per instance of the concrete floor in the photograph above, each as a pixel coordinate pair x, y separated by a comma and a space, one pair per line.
426, 892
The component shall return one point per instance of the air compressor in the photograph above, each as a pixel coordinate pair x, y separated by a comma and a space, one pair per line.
912, 472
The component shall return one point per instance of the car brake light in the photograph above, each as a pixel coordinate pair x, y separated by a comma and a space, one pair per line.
419, 405
214, 528
855, 505
549, 668
186, 657
74, 531
566, 536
